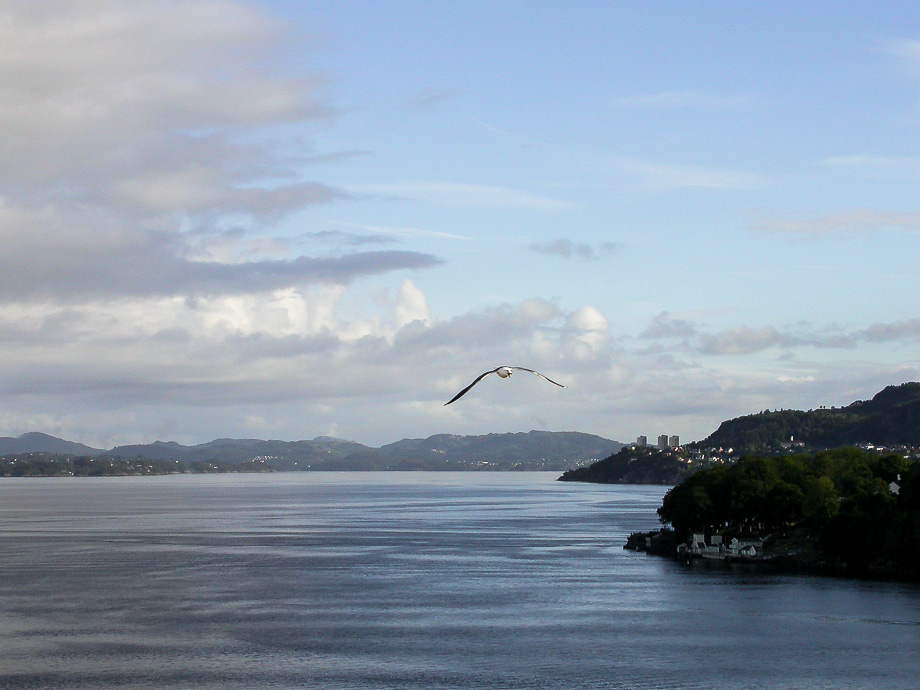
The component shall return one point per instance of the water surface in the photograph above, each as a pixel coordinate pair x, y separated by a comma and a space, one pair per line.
407, 580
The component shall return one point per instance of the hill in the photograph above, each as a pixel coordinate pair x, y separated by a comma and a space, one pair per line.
35, 442
635, 465
890, 418
545, 450
534, 450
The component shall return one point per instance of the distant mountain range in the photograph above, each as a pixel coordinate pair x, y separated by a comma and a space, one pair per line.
890, 418
534, 450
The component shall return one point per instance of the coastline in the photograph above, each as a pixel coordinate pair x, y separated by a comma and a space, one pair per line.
786, 555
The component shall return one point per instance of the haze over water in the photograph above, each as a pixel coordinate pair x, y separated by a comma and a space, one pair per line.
407, 580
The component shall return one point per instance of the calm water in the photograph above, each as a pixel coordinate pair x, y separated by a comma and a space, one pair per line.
407, 580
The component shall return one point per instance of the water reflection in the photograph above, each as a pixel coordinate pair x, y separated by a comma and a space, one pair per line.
407, 580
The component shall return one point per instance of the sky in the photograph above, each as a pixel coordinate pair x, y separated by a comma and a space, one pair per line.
285, 220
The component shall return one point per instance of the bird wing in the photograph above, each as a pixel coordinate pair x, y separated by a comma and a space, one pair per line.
475, 381
538, 374
482, 376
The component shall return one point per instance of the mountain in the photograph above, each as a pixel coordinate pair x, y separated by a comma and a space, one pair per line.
535, 450
549, 450
35, 442
320, 453
890, 418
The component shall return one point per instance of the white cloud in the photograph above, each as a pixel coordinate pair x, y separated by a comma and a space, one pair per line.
390, 231
744, 340
461, 194
587, 333
867, 161
567, 249
876, 168
97, 93
856, 221
663, 176
125, 124
412, 305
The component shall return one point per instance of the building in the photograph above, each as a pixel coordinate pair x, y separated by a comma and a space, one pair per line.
674, 441
642, 441
663, 442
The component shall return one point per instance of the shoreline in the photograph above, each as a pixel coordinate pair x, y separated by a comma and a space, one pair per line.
663, 544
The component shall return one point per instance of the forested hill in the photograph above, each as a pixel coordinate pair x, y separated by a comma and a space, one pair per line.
534, 450
636, 465
892, 417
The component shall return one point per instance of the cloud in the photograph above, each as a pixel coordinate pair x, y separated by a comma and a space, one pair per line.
192, 369
349, 238
497, 328
461, 194
874, 162
908, 51
291, 345
403, 231
877, 167
100, 98
663, 176
586, 333
62, 254
743, 341
567, 249
665, 326
429, 97
908, 330
411, 305
855, 221
133, 133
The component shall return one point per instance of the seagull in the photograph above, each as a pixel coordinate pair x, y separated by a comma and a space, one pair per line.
503, 372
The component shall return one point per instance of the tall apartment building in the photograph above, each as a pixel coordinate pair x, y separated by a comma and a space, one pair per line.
663, 442
674, 441
642, 441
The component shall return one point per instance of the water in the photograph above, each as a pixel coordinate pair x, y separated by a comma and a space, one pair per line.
407, 580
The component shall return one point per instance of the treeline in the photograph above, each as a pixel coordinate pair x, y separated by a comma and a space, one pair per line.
768, 430
860, 508
54, 465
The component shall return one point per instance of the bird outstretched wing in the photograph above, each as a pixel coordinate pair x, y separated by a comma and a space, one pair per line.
483, 375
475, 381
539, 374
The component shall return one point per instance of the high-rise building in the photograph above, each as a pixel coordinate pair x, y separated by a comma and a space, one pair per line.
663, 442
674, 441
642, 441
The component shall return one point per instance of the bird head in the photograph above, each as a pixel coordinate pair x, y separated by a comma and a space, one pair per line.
504, 372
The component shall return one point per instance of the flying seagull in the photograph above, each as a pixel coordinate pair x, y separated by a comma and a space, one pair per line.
503, 372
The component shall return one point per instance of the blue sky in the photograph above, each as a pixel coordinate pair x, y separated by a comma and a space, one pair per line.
284, 220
